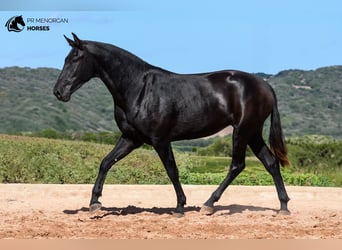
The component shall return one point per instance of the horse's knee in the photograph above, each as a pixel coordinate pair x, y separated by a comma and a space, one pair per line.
237, 168
106, 164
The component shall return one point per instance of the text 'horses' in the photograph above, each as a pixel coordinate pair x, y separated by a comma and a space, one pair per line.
155, 106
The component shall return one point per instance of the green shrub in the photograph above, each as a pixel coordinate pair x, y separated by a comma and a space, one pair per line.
220, 147
37, 160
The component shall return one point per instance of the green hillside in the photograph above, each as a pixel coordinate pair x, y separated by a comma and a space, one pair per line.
27, 103
310, 102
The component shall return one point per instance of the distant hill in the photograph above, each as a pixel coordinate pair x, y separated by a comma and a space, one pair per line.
27, 103
310, 102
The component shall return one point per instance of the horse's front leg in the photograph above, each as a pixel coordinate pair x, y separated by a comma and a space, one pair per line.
165, 153
122, 148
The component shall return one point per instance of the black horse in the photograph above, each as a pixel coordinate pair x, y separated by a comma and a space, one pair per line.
155, 106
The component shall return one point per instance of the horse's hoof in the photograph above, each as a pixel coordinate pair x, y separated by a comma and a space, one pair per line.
95, 207
206, 210
177, 214
284, 212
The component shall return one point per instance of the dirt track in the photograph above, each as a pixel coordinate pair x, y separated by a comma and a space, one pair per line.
144, 212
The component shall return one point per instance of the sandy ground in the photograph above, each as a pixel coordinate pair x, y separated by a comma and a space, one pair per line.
144, 212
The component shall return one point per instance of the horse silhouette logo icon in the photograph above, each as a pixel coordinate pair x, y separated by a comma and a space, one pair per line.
15, 24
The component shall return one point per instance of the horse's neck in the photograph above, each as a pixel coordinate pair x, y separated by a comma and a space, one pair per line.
121, 75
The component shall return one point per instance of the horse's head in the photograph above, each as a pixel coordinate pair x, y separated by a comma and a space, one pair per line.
78, 69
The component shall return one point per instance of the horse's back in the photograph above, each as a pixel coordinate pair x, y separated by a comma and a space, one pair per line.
180, 106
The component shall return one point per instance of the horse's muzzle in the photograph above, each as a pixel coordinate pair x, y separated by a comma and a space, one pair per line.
60, 97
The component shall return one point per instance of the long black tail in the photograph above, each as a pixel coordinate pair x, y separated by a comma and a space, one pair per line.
276, 138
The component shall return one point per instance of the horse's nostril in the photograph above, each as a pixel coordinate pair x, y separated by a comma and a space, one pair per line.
57, 94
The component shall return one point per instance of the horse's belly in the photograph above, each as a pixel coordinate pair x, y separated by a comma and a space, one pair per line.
199, 128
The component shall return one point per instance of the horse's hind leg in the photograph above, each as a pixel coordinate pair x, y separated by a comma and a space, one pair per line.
236, 167
261, 150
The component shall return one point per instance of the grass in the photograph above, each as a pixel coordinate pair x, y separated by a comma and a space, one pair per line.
213, 164
38, 160
215, 169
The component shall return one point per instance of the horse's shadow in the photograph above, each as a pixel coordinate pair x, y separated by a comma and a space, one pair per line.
130, 210
238, 209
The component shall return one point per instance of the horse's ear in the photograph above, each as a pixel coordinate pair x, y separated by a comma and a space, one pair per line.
71, 42
77, 41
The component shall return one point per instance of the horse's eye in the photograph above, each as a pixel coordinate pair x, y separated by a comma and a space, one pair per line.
76, 58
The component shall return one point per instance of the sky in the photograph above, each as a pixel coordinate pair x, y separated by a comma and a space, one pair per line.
182, 36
